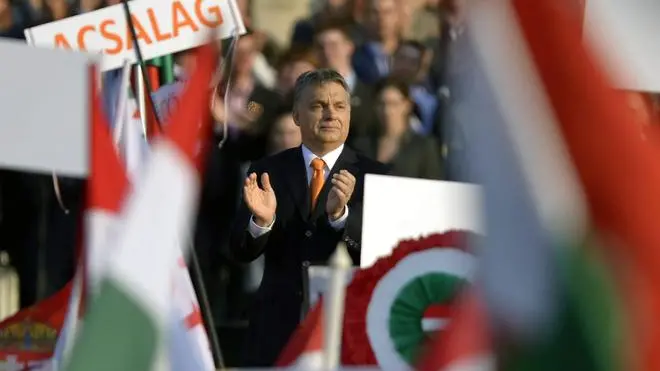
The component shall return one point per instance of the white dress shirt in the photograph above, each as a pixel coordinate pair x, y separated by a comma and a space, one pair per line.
330, 160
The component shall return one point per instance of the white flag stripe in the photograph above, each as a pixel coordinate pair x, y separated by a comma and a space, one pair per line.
309, 361
188, 305
100, 226
156, 212
528, 114
475, 363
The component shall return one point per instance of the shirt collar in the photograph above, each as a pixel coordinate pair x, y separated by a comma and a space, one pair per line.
330, 158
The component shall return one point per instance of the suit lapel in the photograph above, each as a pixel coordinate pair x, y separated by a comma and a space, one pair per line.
346, 161
298, 183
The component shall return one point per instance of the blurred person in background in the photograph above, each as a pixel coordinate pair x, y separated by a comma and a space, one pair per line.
451, 23
13, 19
373, 60
425, 24
267, 49
251, 105
409, 154
284, 133
294, 62
445, 70
335, 49
411, 65
336, 10
45, 11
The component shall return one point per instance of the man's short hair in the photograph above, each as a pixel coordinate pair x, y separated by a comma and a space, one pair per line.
317, 78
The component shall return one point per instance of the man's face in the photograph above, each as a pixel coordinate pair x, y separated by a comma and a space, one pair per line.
334, 49
383, 18
323, 114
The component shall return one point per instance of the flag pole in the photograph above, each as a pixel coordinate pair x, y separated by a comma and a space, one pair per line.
141, 66
121, 113
205, 308
141, 97
340, 262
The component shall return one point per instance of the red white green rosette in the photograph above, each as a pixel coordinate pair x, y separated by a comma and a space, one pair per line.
395, 306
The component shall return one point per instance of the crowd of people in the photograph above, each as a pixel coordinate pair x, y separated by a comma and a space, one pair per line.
393, 54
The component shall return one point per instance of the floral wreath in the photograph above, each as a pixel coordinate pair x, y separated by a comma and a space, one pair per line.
389, 304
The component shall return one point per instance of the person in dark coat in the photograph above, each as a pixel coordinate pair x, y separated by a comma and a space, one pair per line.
297, 206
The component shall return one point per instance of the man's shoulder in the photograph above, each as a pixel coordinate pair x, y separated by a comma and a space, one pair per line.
368, 165
269, 162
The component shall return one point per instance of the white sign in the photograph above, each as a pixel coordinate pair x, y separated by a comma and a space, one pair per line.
397, 208
162, 27
45, 115
624, 32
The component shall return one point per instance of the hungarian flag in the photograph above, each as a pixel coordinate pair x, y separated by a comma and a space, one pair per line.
618, 170
538, 81
127, 325
106, 187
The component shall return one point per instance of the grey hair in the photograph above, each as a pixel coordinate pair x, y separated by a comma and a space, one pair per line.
317, 78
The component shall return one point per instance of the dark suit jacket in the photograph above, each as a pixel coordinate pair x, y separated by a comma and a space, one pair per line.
297, 239
418, 157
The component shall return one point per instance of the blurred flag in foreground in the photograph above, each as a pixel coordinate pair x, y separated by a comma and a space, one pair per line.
590, 304
127, 325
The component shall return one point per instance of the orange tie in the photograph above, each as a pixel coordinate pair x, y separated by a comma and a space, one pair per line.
318, 179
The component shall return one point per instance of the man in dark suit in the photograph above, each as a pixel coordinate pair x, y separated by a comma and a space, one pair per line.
298, 205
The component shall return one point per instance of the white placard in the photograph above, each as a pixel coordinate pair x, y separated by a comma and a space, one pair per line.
44, 101
162, 27
624, 34
397, 208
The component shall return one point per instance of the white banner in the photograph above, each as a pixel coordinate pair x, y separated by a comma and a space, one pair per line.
162, 27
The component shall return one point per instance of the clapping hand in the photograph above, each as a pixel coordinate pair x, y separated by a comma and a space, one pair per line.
260, 201
343, 184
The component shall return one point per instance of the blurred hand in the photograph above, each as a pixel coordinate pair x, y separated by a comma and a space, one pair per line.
217, 107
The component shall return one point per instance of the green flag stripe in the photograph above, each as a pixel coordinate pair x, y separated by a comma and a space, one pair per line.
588, 333
592, 287
118, 334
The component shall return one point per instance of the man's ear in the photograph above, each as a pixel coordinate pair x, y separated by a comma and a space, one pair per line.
295, 117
